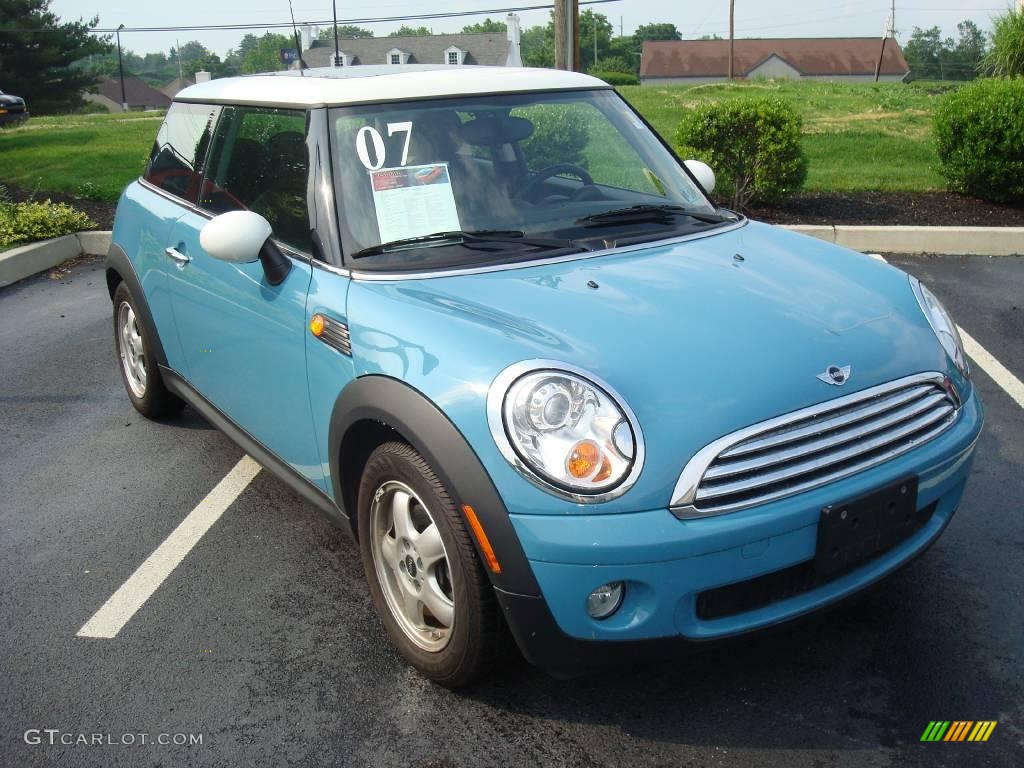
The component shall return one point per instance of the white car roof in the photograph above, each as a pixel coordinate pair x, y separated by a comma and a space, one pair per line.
366, 84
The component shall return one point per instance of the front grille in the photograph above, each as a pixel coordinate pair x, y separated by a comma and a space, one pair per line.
816, 445
762, 591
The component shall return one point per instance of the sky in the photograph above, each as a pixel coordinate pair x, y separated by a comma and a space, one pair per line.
781, 18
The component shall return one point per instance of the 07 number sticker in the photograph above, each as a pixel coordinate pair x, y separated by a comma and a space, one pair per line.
369, 139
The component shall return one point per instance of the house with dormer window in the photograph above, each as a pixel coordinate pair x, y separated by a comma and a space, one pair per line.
451, 50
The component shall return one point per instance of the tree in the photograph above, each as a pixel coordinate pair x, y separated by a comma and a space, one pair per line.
345, 31
404, 31
537, 46
923, 53
933, 58
36, 53
662, 31
1006, 57
486, 27
265, 56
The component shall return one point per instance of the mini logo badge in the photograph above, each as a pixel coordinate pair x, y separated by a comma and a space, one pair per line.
835, 375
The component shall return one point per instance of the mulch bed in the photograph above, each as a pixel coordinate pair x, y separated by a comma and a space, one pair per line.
99, 211
929, 209
877, 208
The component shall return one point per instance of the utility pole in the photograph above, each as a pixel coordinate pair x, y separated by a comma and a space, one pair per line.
595, 40
177, 50
732, 39
889, 31
567, 38
120, 69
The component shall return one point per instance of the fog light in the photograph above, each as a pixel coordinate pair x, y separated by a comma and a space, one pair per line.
605, 600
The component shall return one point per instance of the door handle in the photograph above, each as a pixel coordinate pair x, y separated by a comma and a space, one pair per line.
178, 256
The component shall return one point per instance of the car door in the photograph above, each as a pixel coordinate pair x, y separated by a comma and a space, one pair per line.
243, 339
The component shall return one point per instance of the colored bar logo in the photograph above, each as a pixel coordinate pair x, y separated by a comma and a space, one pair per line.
958, 730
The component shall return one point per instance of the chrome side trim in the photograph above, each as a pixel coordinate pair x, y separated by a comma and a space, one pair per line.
374, 276
175, 199
688, 489
496, 422
330, 268
336, 335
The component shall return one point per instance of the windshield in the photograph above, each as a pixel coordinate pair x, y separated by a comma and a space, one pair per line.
501, 178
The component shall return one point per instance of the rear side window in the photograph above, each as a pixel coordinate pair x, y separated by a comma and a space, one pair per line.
259, 162
176, 162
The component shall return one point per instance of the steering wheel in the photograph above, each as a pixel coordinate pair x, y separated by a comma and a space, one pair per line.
527, 192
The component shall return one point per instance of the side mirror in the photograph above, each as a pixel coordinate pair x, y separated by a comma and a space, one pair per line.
703, 173
243, 237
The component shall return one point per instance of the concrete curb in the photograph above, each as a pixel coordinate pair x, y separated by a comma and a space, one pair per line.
27, 260
952, 241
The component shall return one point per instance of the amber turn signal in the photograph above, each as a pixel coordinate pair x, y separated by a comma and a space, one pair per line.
583, 459
481, 538
316, 325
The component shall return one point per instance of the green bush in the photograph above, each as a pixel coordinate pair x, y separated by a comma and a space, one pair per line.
1006, 56
979, 137
559, 135
28, 222
617, 78
753, 145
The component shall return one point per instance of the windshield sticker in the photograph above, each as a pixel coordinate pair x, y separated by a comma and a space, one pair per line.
414, 201
368, 135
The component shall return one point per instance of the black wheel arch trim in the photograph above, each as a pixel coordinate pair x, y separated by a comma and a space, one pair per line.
405, 410
118, 264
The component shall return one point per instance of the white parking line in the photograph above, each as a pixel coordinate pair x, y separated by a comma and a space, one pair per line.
122, 605
986, 361
996, 370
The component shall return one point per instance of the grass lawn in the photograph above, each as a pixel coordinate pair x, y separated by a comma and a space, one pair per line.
858, 137
92, 156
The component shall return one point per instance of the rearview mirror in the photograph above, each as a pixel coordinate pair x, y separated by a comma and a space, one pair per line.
242, 237
703, 173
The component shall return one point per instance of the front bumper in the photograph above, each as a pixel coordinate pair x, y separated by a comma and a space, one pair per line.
667, 563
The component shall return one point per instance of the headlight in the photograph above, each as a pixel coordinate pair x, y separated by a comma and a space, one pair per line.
942, 323
565, 430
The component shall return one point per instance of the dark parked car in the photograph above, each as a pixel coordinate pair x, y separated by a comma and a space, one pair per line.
12, 109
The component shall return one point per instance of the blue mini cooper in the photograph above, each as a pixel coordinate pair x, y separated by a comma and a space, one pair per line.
487, 320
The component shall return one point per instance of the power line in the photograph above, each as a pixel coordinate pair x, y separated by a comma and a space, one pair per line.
342, 22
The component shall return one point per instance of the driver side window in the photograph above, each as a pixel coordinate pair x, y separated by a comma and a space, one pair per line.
259, 162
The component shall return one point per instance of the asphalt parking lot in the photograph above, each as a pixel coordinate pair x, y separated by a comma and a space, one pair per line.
263, 641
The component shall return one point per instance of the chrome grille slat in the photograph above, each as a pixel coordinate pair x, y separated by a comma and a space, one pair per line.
823, 423
851, 470
820, 444
829, 441
714, 490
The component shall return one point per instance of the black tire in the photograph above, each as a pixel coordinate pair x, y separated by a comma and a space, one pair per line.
153, 401
477, 634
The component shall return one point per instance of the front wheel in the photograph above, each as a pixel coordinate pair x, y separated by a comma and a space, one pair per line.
425, 579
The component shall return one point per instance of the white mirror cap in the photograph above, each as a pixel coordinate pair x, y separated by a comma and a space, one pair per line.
235, 236
703, 173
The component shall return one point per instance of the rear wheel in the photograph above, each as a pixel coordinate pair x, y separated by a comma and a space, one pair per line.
139, 370
426, 581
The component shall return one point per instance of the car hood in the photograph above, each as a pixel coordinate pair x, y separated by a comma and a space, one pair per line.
701, 337
8, 99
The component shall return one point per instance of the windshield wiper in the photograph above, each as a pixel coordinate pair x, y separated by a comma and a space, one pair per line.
647, 212
469, 239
